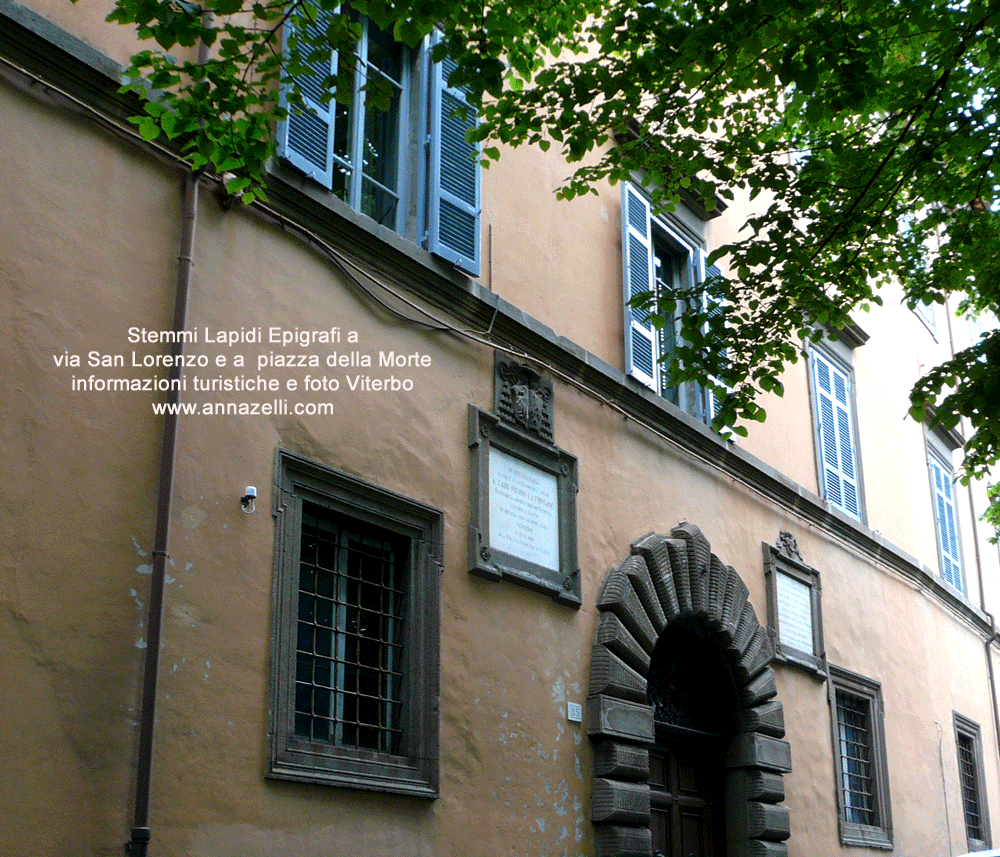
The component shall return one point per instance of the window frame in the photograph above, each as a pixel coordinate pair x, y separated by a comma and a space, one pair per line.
939, 455
837, 356
488, 432
964, 727
415, 770
683, 237
777, 563
355, 119
868, 690
434, 210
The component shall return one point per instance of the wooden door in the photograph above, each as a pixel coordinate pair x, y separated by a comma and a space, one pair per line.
686, 808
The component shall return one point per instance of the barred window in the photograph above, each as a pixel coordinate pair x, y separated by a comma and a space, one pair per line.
859, 755
355, 679
348, 684
970, 776
857, 781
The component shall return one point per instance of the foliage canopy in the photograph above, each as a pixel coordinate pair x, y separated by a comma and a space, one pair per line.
867, 129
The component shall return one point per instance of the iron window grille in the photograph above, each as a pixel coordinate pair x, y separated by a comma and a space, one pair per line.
970, 775
356, 644
349, 657
861, 768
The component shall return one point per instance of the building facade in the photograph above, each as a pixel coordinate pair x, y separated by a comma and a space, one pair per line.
499, 589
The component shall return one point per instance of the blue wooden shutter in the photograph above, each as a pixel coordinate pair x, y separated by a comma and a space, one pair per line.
715, 308
305, 139
641, 352
839, 477
455, 176
947, 525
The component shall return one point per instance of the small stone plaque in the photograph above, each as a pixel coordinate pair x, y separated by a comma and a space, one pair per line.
522, 524
524, 510
795, 625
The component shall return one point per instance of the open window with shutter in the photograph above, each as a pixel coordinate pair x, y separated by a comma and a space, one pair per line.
455, 180
305, 138
360, 151
946, 521
661, 253
642, 343
839, 479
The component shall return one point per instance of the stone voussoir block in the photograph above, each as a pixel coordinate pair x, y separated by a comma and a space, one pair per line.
619, 719
610, 675
618, 802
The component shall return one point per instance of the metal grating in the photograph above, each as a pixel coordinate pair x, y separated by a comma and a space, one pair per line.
348, 684
857, 778
970, 787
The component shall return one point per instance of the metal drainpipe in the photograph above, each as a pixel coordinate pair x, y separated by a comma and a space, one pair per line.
140, 833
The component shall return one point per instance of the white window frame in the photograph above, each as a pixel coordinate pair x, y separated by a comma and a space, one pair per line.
439, 202
941, 480
642, 231
829, 429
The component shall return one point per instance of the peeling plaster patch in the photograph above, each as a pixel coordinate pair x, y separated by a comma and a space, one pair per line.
138, 549
576, 687
578, 768
174, 668
135, 595
541, 824
140, 643
559, 690
146, 568
563, 834
193, 517
208, 666
562, 791
189, 566
559, 730
170, 579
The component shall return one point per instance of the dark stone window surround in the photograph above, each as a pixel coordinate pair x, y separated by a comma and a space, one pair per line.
878, 835
970, 729
664, 578
414, 771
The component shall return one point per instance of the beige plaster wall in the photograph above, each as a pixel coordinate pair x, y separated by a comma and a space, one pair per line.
89, 251
82, 256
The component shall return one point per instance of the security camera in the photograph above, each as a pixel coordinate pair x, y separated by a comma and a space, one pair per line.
247, 500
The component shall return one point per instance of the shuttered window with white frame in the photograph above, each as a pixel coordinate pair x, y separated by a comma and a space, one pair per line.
642, 350
305, 138
835, 430
942, 490
455, 181
361, 153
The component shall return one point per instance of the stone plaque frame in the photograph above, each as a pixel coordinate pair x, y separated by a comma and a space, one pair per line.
785, 559
486, 432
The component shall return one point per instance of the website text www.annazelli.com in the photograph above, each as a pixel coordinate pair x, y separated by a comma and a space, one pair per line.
276, 407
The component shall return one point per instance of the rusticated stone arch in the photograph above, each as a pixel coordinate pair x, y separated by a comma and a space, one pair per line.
663, 579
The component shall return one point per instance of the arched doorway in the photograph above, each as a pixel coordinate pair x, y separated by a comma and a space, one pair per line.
688, 756
695, 702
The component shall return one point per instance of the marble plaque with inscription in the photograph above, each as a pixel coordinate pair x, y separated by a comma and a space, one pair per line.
795, 623
523, 510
